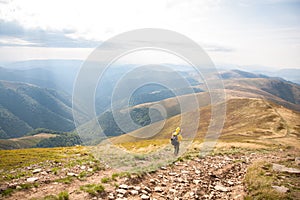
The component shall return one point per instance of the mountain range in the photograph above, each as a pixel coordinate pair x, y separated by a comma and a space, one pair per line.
41, 97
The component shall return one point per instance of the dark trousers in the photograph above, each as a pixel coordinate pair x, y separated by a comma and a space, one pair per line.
176, 149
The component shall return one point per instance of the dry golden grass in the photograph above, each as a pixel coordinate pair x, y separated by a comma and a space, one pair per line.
246, 120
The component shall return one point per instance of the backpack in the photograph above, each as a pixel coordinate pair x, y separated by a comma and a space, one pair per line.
174, 140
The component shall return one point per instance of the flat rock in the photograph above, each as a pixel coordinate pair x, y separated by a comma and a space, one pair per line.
144, 191
32, 179
121, 191
297, 161
282, 168
185, 172
158, 189
71, 174
123, 186
172, 190
230, 182
147, 189
221, 188
152, 181
281, 189
18, 187
37, 171
90, 169
138, 188
145, 197
134, 192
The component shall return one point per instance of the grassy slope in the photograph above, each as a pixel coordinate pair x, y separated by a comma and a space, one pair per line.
24, 107
245, 118
23, 142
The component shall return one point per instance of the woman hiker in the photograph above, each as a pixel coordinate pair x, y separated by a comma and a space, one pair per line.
175, 140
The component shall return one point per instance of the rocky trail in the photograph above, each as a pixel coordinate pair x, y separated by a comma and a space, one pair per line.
219, 177
210, 177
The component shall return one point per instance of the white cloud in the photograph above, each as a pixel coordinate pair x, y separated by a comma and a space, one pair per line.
11, 41
241, 32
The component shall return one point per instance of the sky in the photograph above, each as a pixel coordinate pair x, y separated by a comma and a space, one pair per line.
242, 33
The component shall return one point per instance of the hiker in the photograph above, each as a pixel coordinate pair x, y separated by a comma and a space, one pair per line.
175, 140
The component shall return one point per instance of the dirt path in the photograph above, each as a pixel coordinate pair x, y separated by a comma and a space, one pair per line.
218, 177
210, 177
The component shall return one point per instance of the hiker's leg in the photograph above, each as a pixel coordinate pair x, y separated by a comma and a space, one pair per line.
176, 149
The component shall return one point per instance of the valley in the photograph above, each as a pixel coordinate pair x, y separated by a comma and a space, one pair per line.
255, 157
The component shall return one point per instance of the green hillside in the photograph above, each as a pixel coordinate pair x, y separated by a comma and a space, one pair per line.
24, 107
286, 95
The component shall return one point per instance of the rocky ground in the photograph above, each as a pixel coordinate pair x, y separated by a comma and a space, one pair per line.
217, 177
211, 177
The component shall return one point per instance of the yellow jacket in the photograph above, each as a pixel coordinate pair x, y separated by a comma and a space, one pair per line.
179, 136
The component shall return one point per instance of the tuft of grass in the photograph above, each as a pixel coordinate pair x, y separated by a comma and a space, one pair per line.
93, 189
259, 185
26, 186
7, 192
50, 197
55, 170
66, 180
140, 157
114, 176
64, 195
105, 180
82, 175
15, 176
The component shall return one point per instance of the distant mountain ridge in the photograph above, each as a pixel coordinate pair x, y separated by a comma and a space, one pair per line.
24, 107
32, 98
233, 74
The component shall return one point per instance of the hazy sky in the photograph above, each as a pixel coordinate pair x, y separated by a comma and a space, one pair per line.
254, 32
